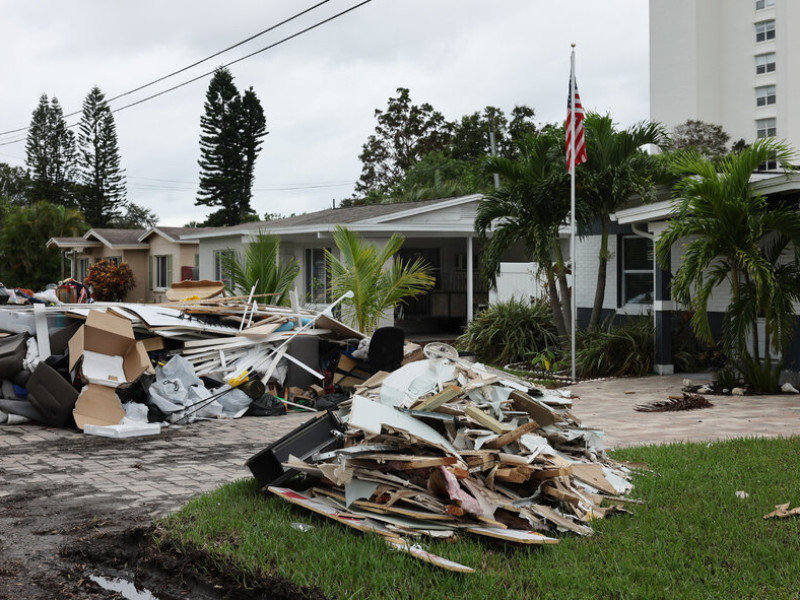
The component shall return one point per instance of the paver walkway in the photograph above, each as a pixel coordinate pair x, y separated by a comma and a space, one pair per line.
156, 473
609, 405
162, 472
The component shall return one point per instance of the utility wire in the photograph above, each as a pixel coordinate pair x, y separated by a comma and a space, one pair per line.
182, 70
233, 62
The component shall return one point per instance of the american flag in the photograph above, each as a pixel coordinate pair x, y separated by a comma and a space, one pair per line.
577, 114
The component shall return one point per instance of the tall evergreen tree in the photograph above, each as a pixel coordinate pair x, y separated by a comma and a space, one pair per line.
50, 154
232, 129
253, 129
102, 191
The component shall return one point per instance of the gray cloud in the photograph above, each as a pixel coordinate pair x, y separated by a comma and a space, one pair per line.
319, 91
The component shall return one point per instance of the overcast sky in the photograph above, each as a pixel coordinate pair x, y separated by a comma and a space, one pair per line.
319, 90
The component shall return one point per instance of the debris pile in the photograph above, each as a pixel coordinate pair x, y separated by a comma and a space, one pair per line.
442, 446
686, 401
118, 369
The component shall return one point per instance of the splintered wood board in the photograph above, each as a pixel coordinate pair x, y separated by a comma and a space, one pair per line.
487, 420
437, 400
423, 555
260, 330
365, 525
513, 535
511, 436
374, 507
326, 510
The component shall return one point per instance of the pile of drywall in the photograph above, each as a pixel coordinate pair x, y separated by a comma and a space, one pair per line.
442, 447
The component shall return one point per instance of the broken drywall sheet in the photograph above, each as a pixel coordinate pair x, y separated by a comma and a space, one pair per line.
371, 416
358, 489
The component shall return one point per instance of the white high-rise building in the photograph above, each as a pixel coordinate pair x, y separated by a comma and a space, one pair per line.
735, 63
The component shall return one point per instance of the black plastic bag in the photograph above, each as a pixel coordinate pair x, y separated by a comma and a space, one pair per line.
266, 406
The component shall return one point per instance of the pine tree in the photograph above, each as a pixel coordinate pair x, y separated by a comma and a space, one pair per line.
232, 128
102, 191
50, 155
253, 128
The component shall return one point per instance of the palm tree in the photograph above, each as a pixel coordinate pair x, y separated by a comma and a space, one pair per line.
616, 169
735, 236
528, 209
260, 267
375, 288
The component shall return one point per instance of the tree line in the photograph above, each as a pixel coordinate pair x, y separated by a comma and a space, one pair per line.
74, 180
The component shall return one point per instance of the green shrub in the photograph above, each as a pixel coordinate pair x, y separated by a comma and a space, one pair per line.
616, 350
509, 332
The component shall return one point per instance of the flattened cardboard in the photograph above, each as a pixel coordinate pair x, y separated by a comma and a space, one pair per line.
100, 343
97, 405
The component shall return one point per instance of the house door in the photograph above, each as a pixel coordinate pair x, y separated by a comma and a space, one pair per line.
421, 305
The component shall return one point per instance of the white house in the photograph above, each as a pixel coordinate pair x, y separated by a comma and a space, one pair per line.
440, 231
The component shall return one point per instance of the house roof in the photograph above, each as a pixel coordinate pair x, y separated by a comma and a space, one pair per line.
117, 238
763, 183
71, 242
370, 217
173, 234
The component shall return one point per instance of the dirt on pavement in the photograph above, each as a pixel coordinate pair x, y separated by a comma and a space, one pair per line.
57, 529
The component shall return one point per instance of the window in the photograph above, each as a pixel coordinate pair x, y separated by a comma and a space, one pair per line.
765, 30
113, 259
316, 276
162, 272
765, 128
637, 270
765, 95
220, 273
765, 63
762, 4
768, 165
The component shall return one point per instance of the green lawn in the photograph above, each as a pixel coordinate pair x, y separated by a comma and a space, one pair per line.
692, 539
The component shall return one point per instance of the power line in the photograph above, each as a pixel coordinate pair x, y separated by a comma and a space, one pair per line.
206, 59
233, 62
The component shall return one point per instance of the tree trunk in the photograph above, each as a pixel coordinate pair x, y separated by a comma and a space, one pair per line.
600, 290
565, 292
555, 305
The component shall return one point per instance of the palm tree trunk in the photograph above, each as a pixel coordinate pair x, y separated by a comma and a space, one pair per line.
565, 292
600, 290
555, 304
754, 326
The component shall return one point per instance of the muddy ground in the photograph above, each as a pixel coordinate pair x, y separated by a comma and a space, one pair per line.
54, 536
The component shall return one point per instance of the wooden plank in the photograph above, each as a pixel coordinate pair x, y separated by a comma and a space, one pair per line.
513, 535
511, 436
426, 556
549, 514
539, 412
488, 421
550, 473
435, 401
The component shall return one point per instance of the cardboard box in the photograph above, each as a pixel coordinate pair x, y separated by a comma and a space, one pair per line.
97, 405
107, 350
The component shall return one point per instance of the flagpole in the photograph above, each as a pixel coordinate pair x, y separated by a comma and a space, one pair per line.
573, 295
